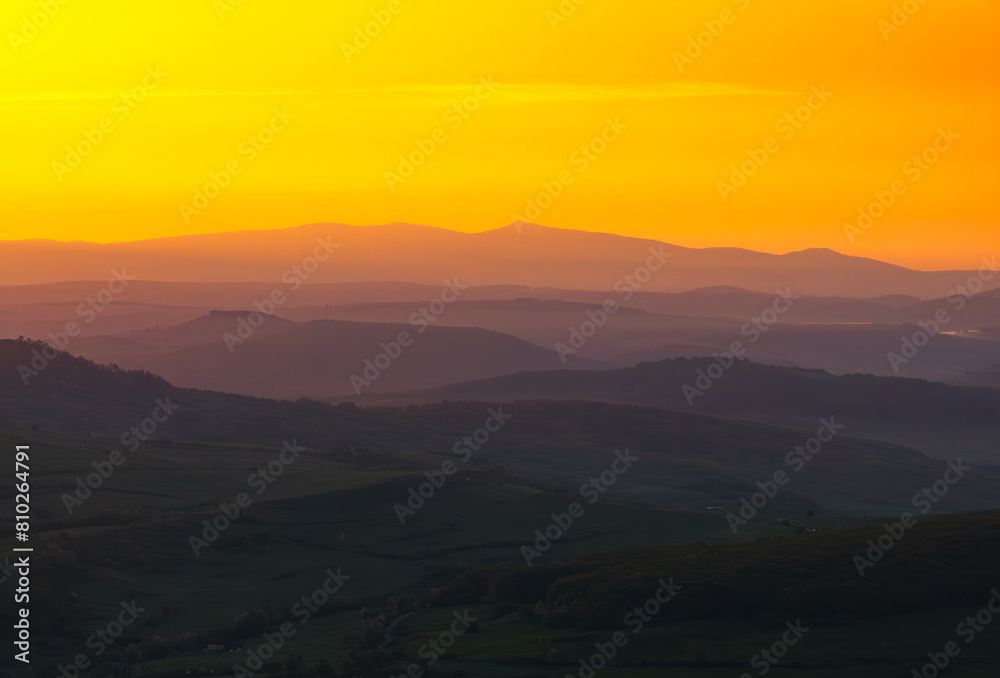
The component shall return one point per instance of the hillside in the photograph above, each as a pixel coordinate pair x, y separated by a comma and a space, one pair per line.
284, 359
939, 419
690, 460
333, 509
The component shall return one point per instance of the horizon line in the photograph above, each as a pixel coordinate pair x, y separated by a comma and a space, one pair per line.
510, 225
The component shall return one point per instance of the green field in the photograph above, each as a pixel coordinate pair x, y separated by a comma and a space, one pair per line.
334, 509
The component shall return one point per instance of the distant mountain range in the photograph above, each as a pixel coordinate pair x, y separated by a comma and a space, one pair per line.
520, 254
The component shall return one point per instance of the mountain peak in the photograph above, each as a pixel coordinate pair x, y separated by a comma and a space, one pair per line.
818, 252
521, 226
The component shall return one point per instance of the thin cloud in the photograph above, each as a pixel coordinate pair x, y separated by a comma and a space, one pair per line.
521, 92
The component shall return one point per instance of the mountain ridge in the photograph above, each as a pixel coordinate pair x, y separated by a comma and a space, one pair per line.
536, 257
936, 418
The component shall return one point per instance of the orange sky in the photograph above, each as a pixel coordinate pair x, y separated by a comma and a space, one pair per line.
200, 82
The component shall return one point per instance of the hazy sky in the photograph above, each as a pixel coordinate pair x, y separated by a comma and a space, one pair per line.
201, 81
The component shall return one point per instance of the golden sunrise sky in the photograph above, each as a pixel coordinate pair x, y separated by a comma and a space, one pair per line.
223, 67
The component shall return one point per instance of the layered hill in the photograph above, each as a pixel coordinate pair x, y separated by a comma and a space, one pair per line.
941, 420
836, 334
30, 308
283, 359
684, 460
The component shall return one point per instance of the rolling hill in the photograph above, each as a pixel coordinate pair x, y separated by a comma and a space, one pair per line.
940, 420
688, 460
284, 359
836, 334
333, 508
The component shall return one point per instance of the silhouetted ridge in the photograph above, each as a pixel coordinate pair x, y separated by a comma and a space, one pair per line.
38, 366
